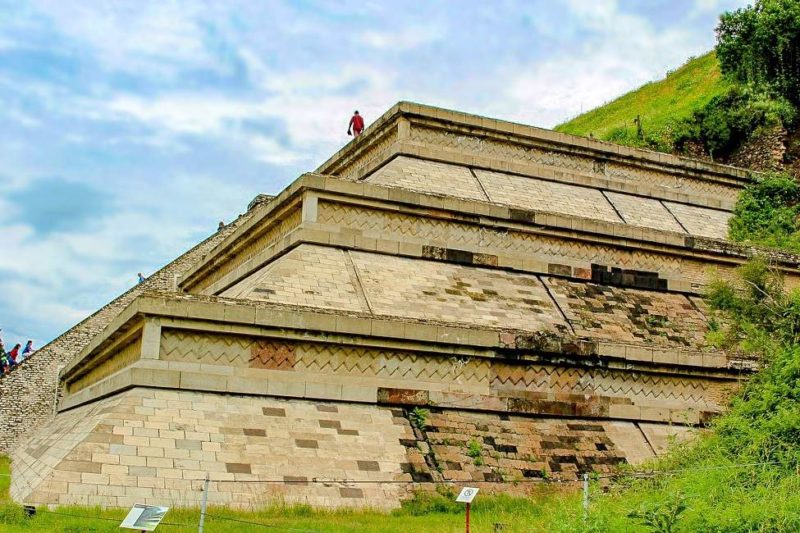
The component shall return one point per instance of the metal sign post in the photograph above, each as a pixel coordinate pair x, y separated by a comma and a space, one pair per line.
144, 517
203, 506
466, 496
585, 497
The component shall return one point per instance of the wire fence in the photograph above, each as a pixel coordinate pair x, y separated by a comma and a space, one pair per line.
343, 482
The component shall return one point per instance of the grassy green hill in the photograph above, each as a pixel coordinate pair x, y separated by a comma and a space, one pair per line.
660, 104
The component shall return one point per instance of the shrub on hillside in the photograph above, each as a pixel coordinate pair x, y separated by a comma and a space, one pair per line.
763, 424
722, 125
767, 213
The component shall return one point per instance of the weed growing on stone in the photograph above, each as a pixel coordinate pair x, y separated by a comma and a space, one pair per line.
475, 451
419, 417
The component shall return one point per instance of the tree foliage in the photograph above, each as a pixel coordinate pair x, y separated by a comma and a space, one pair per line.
768, 213
758, 48
760, 45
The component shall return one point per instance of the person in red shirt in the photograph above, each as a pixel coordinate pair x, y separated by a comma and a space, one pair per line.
13, 354
356, 125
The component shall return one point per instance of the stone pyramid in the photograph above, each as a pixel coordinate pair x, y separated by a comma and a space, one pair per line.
444, 282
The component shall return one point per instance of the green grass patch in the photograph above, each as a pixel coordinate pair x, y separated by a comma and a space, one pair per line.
5, 480
425, 512
660, 104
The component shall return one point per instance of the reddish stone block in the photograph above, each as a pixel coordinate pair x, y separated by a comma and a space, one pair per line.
403, 396
272, 355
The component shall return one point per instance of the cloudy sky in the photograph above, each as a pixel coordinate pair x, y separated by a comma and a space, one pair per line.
129, 129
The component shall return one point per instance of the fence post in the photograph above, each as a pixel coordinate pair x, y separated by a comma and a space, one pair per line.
203, 505
585, 496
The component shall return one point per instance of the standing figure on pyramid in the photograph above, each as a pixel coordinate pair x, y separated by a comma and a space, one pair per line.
356, 125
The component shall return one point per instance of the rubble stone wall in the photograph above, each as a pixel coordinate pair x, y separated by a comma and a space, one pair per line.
763, 151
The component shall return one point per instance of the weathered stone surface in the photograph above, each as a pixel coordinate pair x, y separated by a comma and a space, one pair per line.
630, 315
534, 291
49, 470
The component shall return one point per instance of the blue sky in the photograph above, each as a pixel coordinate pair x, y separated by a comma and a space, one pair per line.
129, 129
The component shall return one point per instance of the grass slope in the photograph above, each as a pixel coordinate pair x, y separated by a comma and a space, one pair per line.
660, 104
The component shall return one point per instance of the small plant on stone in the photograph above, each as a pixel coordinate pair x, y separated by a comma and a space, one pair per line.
419, 417
656, 321
474, 451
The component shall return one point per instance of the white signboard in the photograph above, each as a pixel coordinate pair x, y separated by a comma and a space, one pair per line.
144, 517
467, 494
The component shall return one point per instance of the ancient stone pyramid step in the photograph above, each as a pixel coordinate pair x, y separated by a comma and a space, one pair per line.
448, 298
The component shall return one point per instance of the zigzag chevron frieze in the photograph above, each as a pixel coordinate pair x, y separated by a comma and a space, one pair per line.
633, 385
215, 349
273, 235
375, 153
452, 234
393, 364
409, 367
578, 163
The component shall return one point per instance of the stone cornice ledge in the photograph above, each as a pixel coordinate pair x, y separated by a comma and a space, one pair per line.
559, 141
225, 380
200, 312
473, 211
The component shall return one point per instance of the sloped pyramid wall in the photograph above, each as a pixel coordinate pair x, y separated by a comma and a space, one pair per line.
156, 447
538, 295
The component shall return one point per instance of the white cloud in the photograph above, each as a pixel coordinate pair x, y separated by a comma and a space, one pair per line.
183, 113
88, 270
310, 106
135, 37
620, 52
705, 7
21, 117
270, 151
202, 74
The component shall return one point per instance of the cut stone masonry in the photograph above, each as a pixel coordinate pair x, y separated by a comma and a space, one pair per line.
538, 295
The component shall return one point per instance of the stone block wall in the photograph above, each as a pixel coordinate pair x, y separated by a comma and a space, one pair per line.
156, 447
481, 447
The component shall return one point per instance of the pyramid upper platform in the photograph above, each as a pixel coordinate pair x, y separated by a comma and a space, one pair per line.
497, 175
455, 154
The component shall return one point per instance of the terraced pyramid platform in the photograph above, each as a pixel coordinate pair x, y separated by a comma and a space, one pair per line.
536, 293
